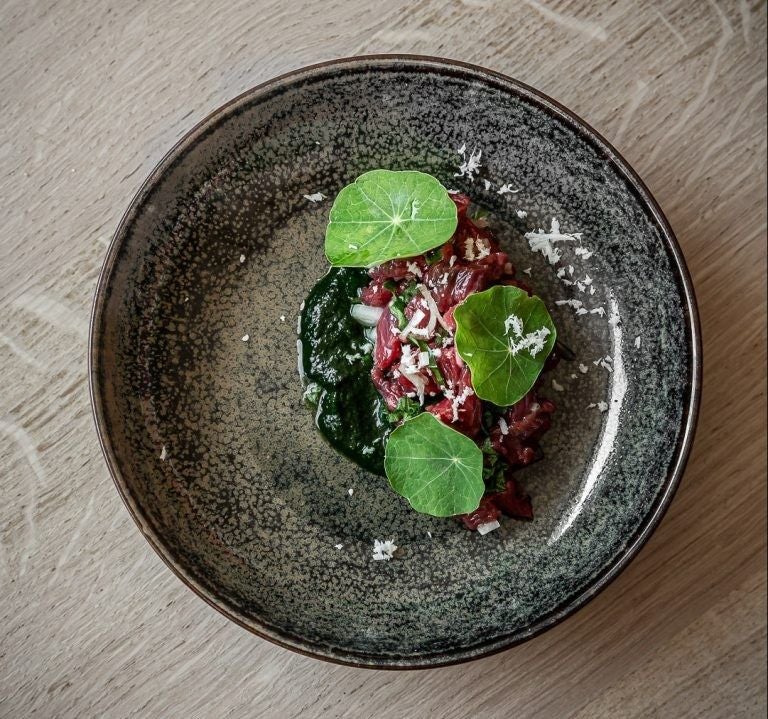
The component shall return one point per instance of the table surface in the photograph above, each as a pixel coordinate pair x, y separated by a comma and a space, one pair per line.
92, 624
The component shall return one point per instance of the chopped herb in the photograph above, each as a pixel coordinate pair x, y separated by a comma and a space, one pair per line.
406, 409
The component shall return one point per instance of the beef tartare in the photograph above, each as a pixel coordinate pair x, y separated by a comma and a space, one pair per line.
450, 332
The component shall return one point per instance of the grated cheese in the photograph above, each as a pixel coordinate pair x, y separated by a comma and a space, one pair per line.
527, 271
163, 454
471, 165
602, 406
338, 546
414, 269
242, 259
597, 311
435, 315
637, 342
452, 261
521, 214
542, 242
484, 249
503, 426
350, 491
583, 252
483, 529
282, 318
383, 550
469, 249
583, 368
314, 197
506, 189
557, 386
245, 338
581, 311
487, 184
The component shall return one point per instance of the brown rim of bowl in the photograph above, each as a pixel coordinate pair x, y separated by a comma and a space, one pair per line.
417, 63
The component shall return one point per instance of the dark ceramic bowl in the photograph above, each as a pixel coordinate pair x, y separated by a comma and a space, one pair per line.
217, 459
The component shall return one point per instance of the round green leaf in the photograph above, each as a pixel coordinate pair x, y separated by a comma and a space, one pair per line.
437, 469
385, 215
505, 337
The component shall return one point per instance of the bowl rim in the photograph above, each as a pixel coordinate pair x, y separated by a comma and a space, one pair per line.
427, 63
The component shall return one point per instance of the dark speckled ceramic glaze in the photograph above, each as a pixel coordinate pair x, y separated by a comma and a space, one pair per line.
219, 462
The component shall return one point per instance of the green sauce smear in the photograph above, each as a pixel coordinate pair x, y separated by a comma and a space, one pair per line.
349, 412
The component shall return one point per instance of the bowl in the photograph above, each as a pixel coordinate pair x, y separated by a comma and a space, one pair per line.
198, 402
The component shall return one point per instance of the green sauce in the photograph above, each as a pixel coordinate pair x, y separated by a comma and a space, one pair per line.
349, 412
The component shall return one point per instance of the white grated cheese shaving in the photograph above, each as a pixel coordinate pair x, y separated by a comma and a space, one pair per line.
527, 271
414, 269
506, 189
557, 386
591, 405
435, 315
429, 534
383, 550
469, 249
597, 311
542, 242
314, 197
583, 368
483, 529
602, 406
533, 342
410, 328
521, 214
338, 546
570, 270
637, 342
484, 249
592, 290
583, 252
282, 318
245, 338
452, 261
581, 311
350, 491
163, 454
471, 165
503, 426
242, 259
487, 184
576, 304
561, 272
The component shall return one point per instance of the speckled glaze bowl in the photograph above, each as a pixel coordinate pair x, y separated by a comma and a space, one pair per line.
205, 433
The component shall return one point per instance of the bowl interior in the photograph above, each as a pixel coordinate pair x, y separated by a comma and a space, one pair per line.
207, 435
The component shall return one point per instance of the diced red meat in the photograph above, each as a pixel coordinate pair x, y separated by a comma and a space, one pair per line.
398, 269
526, 422
388, 345
512, 502
375, 295
486, 512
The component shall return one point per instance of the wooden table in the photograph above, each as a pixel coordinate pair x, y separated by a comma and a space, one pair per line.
92, 95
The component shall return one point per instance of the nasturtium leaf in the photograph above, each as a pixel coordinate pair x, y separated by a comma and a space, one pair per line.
385, 215
505, 337
437, 469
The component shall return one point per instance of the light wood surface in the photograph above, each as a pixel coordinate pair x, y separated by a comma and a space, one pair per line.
92, 94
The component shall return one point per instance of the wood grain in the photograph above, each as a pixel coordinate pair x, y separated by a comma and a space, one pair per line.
92, 94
